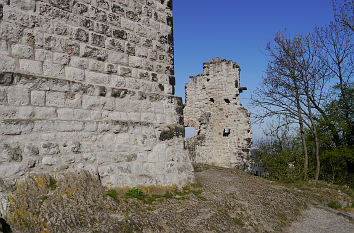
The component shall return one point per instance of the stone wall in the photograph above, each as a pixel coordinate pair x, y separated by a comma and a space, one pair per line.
222, 125
89, 84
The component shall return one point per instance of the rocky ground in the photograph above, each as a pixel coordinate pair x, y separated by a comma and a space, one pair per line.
220, 200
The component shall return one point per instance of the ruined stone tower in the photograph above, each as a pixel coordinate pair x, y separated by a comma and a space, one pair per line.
89, 85
222, 125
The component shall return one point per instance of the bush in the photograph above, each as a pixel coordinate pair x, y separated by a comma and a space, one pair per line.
334, 205
113, 194
135, 193
336, 165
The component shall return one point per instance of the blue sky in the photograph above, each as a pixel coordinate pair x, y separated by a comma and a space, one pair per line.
238, 30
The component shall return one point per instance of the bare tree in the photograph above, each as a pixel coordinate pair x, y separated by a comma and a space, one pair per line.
343, 12
296, 86
336, 45
281, 91
314, 83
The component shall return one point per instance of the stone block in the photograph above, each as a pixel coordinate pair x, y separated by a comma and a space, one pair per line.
78, 62
43, 55
7, 64
97, 39
97, 66
65, 113
135, 62
118, 58
69, 126
61, 58
22, 51
90, 126
115, 45
16, 127
3, 96
49, 161
49, 148
42, 126
45, 113
55, 99
31, 67
73, 100
111, 68
92, 102
26, 112
117, 81
38, 98
53, 70
74, 74
18, 96
97, 78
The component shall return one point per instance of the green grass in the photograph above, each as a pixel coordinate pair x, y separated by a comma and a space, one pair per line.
239, 221
113, 194
135, 193
52, 183
43, 198
333, 205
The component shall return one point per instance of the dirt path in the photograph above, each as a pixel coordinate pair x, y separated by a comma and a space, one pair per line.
315, 220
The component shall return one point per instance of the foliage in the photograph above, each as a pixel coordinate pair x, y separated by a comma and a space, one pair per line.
113, 194
308, 84
334, 205
337, 166
52, 183
135, 193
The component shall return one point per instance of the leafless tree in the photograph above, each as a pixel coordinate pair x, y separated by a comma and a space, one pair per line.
343, 12
281, 91
336, 45
296, 86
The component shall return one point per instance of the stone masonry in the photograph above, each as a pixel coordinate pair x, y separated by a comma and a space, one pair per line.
222, 125
89, 85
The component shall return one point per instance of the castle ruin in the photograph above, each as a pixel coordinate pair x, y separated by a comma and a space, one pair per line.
89, 85
222, 125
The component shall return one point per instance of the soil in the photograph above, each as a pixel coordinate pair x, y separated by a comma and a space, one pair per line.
316, 220
220, 200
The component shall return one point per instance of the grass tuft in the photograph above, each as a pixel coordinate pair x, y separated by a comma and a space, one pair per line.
239, 221
52, 183
334, 205
113, 194
135, 193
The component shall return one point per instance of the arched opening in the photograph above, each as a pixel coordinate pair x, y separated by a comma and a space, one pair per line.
4, 226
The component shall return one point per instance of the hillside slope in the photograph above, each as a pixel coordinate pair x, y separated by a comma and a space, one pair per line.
220, 200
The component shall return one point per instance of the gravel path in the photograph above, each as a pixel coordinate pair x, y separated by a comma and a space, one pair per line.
315, 220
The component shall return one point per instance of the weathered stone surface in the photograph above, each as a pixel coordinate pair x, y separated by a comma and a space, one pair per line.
83, 85
222, 125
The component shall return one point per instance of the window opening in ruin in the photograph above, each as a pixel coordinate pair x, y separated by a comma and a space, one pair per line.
211, 100
236, 84
227, 101
190, 132
226, 132
5, 226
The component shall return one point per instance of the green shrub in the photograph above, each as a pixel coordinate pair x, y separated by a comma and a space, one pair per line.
135, 193
239, 221
52, 183
334, 205
335, 165
113, 194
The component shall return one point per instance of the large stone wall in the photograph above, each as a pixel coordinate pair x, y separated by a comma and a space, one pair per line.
89, 84
222, 125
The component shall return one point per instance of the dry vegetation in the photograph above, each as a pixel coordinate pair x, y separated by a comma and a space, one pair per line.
221, 200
